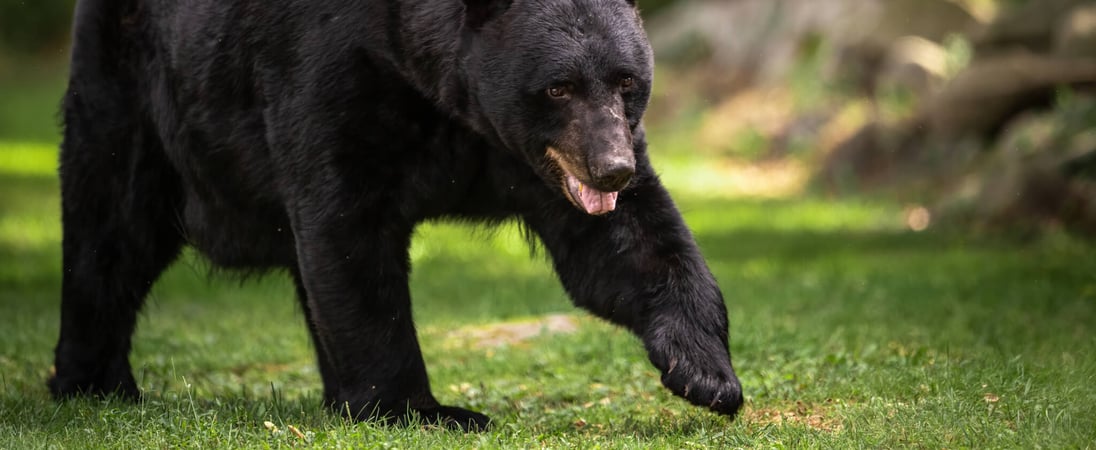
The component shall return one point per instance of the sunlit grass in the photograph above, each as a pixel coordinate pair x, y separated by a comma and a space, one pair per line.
27, 158
28, 231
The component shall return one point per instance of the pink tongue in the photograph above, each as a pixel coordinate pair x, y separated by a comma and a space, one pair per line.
595, 201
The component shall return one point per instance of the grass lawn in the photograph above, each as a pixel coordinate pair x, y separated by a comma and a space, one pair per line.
847, 330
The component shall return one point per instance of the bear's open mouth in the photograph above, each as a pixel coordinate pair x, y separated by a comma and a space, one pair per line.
586, 198
592, 200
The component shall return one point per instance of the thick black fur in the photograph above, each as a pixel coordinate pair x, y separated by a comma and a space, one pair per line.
314, 136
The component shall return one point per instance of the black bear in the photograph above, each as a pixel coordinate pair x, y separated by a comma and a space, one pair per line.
313, 136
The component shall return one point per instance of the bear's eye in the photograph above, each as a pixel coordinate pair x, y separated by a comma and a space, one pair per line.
627, 82
559, 91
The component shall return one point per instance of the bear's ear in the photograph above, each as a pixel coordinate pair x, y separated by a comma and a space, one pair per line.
478, 12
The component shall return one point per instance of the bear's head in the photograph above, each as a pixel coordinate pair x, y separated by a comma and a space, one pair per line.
565, 83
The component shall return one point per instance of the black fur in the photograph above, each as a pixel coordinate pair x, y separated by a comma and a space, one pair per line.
314, 136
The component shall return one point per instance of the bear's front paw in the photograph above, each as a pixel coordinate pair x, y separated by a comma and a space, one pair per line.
700, 372
719, 392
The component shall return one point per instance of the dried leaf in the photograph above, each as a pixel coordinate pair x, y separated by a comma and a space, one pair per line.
270, 426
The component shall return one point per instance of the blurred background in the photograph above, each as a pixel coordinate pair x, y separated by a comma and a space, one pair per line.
975, 112
979, 113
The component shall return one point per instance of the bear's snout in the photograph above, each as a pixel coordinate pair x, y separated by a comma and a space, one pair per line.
612, 173
610, 159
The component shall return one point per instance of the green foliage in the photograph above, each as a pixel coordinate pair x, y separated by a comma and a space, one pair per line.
1076, 115
959, 54
29, 26
749, 144
809, 89
651, 7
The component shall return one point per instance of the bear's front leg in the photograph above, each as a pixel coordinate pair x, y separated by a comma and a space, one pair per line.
355, 272
639, 267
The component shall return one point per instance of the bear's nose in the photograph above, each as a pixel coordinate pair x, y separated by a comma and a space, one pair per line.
613, 174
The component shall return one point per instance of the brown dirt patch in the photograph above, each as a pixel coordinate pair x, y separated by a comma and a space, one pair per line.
510, 333
821, 417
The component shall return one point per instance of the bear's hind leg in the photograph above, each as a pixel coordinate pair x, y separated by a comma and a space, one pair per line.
120, 199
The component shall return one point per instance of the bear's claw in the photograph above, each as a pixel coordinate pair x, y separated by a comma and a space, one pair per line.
700, 372
721, 394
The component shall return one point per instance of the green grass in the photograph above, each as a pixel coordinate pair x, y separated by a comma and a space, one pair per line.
846, 329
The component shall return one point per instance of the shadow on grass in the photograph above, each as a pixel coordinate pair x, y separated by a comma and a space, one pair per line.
805, 246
